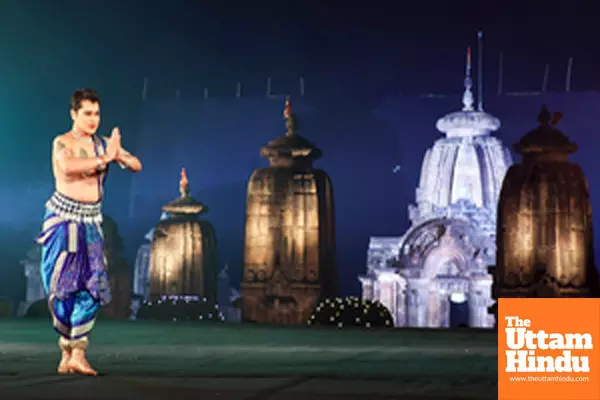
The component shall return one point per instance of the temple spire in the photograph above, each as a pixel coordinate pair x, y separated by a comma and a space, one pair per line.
184, 184
290, 119
468, 95
480, 71
544, 116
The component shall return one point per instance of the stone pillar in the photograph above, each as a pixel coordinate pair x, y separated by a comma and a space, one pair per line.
444, 310
386, 294
479, 303
493, 308
391, 294
367, 287
401, 302
418, 302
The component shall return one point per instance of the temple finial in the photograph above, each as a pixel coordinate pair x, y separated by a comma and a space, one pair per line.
184, 184
290, 119
468, 95
556, 118
544, 115
287, 111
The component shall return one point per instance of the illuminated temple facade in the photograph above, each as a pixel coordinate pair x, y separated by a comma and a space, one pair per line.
435, 275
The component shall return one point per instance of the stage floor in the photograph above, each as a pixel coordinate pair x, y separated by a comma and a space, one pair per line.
162, 360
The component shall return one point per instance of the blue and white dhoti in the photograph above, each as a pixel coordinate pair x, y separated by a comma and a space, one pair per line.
73, 266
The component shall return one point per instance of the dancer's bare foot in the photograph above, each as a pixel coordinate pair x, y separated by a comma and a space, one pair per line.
63, 366
79, 364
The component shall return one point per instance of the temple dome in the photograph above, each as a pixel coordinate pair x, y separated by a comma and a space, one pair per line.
469, 168
467, 123
465, 167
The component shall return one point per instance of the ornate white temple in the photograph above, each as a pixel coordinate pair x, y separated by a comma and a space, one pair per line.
435, 275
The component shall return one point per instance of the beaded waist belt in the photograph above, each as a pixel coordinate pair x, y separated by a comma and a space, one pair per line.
73, 210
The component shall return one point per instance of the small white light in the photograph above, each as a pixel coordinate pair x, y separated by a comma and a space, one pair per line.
458, 297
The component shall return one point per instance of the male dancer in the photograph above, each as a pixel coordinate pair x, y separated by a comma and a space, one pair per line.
74, 270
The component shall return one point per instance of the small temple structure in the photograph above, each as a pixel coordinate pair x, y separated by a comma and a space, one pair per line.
544, 234
35, 287
141, 272
183, 255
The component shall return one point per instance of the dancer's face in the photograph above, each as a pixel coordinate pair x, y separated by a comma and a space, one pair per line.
87, 118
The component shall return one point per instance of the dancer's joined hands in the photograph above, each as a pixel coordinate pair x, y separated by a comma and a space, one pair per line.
113, 144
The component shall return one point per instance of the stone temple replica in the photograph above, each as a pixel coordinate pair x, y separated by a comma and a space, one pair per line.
436, 275
141, 273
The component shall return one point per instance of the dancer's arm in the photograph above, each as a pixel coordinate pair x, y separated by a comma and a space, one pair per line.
128, 160
68, 164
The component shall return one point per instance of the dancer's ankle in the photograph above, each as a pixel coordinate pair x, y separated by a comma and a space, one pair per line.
80, 344
65, 346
